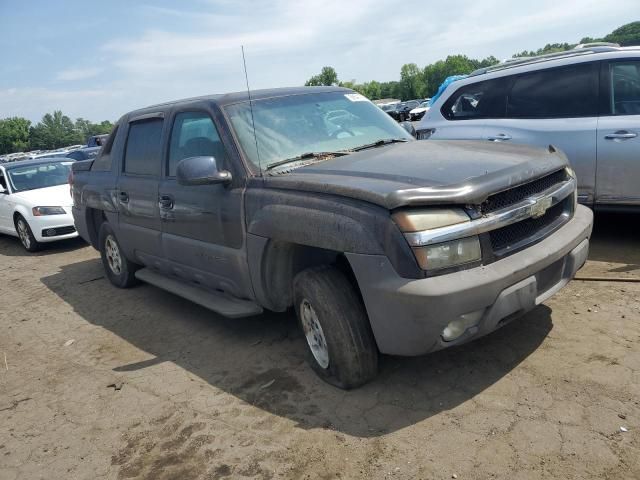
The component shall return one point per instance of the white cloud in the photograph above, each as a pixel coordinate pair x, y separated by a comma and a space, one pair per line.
193, 50
82, 73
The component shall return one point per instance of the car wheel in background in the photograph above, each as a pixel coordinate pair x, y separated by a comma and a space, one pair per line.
25, 234
341, 348
119, 270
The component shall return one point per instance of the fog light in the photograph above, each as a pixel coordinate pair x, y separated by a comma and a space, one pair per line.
51, 232
457, 327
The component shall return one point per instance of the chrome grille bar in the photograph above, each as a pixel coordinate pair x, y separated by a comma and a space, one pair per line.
500, 218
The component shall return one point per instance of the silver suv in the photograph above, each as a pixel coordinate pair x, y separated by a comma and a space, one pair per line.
585, 102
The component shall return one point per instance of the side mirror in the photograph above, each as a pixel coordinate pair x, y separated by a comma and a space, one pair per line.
408, 126
201, 171
3, 190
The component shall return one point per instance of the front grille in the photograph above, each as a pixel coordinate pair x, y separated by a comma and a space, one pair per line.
508, 239
55, 232
504, 199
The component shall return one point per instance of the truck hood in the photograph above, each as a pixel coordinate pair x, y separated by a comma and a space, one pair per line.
57, 196
428, 172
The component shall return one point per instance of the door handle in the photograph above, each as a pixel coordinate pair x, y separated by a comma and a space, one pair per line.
124, 197
620, 135
500, 137
165, 202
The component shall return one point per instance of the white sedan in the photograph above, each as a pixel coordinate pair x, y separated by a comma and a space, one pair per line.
418, 112
35, 202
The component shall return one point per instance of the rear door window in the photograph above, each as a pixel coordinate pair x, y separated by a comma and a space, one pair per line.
552, 93
142, 154
484, 99
624, 78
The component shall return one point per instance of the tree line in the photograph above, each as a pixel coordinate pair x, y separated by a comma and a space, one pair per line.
55, 130
416, 82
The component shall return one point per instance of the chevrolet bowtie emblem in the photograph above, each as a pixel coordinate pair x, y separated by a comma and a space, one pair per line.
540, 207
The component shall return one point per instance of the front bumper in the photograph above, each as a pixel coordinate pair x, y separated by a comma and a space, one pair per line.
407, 316
51, 228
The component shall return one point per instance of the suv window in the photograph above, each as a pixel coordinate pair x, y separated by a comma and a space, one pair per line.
570, 91
142, 155
194, 135
624, 78
477, 100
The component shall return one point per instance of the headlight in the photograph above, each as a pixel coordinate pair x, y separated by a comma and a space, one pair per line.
428, 218
445, 254
39, 211
449, 254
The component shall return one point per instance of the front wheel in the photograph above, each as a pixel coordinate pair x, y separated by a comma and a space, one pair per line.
25, 234
119, 270
341, 347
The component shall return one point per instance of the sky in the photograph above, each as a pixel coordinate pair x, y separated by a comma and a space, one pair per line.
98, 60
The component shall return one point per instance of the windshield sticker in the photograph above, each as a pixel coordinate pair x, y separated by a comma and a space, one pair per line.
355, 97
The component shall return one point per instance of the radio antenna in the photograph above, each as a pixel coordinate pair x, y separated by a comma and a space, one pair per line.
253, 122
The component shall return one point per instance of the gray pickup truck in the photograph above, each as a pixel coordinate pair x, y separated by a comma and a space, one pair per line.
314, 198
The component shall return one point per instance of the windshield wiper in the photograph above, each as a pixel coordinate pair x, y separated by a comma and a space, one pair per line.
304, 156
379, 143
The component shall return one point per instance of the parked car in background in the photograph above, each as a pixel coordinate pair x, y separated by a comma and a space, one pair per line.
97, 140
35, 203
585, 102
418, 112
313, 198
401, 112
84, 153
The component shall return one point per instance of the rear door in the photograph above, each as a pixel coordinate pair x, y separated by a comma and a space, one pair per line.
555, 106
464, 115
618, 177
202, 224
137, 191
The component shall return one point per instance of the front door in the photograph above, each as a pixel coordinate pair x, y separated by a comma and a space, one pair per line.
619, 135
137, 192
202, 225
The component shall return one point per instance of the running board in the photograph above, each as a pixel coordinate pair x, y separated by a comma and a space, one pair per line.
221, 303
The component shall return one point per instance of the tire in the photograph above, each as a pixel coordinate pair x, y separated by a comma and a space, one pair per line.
25, 235
341, 348
119, 270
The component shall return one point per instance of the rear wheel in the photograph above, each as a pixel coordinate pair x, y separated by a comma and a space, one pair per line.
341, 347
25, 234
119, 270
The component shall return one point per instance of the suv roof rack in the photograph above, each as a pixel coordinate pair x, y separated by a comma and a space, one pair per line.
579, 50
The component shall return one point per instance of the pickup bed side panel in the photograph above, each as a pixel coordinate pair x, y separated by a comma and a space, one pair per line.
94, 190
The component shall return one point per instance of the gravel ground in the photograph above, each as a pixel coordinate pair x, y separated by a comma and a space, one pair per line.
97, 382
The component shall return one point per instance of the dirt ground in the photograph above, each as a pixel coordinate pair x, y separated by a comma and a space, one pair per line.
97, 382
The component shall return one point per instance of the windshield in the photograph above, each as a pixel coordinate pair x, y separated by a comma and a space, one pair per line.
288, 127
41, 175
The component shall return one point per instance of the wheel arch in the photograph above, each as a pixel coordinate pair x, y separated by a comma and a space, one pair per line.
275, 264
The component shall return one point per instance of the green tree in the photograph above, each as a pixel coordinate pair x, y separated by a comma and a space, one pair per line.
625, 35
54, 131
327, 76
548, 48
86, 129
411, 82
436, 73
14, 135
